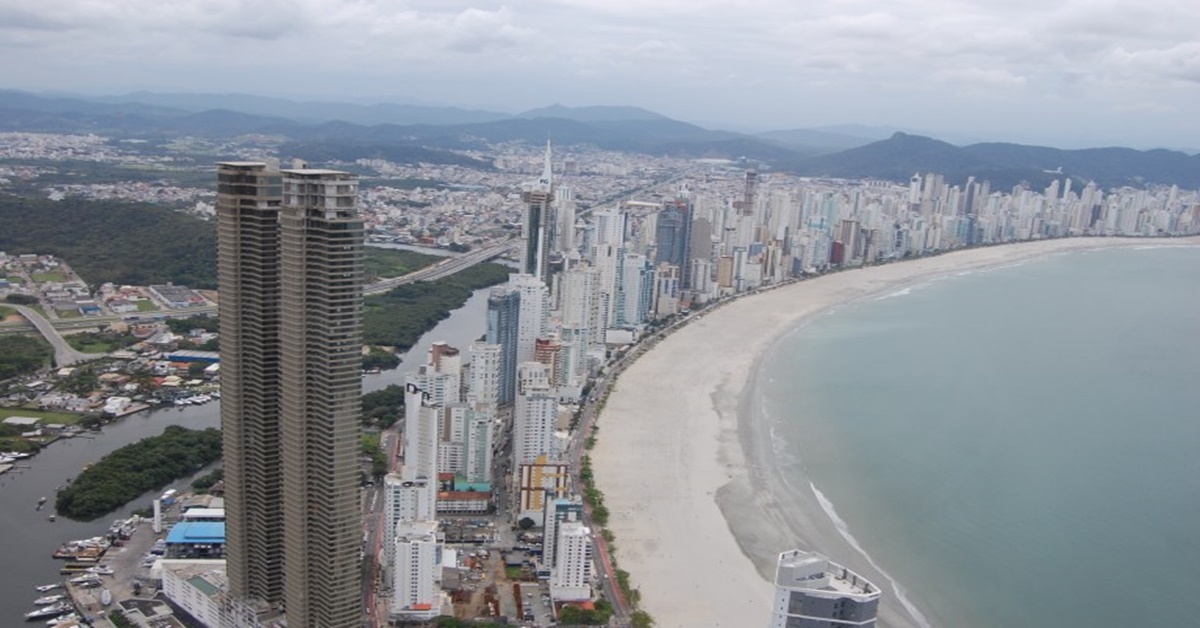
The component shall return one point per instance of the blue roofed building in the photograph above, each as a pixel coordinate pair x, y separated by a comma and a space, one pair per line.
197, 539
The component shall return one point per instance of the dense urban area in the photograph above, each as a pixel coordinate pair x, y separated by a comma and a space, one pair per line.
475, 501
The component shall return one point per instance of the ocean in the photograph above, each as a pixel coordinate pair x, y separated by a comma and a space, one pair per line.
1015, 446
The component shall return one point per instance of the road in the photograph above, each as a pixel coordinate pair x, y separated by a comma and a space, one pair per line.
64, 354
444, 268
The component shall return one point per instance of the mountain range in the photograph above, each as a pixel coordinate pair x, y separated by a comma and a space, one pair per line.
410, 133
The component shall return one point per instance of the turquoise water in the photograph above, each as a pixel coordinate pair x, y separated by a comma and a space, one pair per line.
1018, 446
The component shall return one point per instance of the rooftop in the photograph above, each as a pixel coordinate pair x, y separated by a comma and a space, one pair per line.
814, 573
197, 532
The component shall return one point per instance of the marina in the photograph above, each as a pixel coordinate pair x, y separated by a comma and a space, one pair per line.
33, 536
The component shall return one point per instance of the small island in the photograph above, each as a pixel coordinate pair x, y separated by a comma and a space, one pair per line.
123, 475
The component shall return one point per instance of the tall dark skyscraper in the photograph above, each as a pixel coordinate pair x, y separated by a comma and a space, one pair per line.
673, 238
290, 272
503, 316
538, 228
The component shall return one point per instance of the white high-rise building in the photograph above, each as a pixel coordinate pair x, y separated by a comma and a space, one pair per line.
812, 591
416, 590
610, 227
456, 418
421, 436
533, 316
484, 384
606, 260
478, 449
405, 500
570, 578
534, 414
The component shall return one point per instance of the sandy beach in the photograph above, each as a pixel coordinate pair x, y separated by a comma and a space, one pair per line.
698, 510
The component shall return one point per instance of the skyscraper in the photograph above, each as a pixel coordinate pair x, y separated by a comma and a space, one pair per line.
248, 198
291, 279
503, 320
538, 229
673, 238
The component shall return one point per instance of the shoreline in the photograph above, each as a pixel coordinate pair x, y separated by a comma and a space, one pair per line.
699, 507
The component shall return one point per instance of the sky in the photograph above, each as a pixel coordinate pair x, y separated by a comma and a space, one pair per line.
1067, 73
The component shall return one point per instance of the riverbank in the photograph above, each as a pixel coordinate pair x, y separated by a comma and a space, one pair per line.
680, 471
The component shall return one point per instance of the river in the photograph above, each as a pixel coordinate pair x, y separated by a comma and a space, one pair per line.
28, 538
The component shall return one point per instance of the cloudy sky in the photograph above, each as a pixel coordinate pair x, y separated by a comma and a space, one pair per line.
1065, 72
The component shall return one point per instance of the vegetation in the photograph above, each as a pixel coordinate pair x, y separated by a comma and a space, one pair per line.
5, 312
591, 494
110, 241
384, 263
380, 358
46, 416
575, 616
205, 482
21, 299
382, 408
186, 325
22, 355
11, 440
641, 619
118, 619
134, 469
371, 447
399, 317
446, 621
101, 341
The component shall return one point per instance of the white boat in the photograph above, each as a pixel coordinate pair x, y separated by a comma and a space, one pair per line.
48, 599
106, 597
49, 611
65, 620
48, 587
84, 578
100, 570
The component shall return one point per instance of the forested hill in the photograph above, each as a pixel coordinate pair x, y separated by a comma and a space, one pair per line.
105, 241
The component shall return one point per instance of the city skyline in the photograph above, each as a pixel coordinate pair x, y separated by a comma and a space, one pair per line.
1086, 74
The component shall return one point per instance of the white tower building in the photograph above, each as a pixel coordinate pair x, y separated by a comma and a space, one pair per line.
570, 578
416, 590
534, 413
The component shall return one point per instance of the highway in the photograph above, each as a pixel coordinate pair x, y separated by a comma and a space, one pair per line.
444, 268
64, 354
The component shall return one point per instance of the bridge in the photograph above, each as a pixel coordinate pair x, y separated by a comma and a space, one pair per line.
444, 268
64, 354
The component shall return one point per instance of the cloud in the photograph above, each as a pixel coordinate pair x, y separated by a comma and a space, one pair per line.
1179, 62
911, 62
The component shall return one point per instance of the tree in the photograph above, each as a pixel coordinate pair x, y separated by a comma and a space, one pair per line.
196, 370
526, 523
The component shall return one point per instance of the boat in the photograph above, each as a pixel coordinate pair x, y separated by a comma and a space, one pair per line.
100, 570
65, 620
51, 518
83, 578
48, 599
50, 611
106, 597
48, 587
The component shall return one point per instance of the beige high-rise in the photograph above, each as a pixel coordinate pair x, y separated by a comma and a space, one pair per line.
291, 324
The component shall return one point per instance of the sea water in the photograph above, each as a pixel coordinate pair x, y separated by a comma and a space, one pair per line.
1015, 447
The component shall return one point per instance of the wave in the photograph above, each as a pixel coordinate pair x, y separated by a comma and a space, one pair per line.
899, 293
844, 530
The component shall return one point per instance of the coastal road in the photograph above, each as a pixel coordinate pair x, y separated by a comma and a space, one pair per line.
64, 354
587, 419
